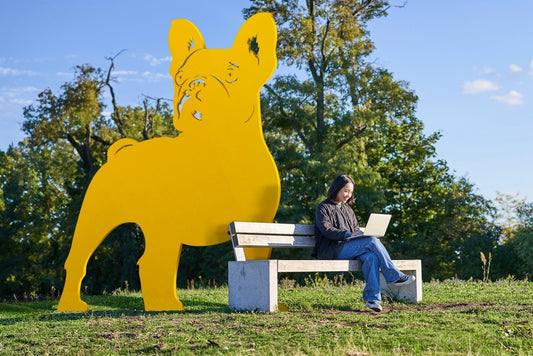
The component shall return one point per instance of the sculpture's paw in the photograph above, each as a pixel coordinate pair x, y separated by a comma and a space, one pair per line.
282, 307
170, 305
72, 305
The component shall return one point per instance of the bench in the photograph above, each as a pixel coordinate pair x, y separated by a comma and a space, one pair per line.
253, 284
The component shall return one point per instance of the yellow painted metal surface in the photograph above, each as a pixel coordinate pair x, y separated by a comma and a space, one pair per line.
186, 190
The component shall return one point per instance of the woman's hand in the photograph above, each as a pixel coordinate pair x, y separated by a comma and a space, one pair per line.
356, 233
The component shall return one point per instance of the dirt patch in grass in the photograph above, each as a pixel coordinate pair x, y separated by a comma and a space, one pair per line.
391, 308
440, 307
519, 307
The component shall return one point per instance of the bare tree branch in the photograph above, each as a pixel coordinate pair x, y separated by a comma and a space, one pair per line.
357, 131
116, 114
290, 119
85, 154
366, 7
149, 117
101, 140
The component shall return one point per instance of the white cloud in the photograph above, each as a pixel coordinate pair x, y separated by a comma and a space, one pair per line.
511, 98
15, 72
478, 86
153, 61
485, 70
21, 101
514, 68
19, 96
15, 92
125, 72
64, 74
531, 67
154, 76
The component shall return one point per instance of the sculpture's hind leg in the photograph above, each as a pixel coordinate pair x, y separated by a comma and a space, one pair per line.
158, 270
87, 238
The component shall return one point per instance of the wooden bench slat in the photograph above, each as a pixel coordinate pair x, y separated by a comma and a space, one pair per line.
407, 265
337, 265
244, 227
318, 265
248, 240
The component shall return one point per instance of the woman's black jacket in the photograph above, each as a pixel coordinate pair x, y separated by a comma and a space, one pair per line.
334, 223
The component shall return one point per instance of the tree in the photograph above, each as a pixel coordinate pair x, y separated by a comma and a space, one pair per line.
34, 219
43, 180
323, 124
77, 117
513, 255
523, 240
338, 113
508, 206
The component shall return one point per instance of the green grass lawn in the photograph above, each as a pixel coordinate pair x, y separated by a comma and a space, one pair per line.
460, 318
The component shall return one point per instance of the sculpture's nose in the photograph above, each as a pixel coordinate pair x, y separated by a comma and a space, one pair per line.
197, 84
190, 90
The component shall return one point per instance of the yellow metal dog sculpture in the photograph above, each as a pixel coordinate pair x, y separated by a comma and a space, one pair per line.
185, 190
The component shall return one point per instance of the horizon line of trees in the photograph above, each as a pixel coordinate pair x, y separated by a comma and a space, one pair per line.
339, 115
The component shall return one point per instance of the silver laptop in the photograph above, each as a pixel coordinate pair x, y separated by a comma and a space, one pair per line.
377, 225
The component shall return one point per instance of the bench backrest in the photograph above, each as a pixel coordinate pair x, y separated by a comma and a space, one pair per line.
254, 234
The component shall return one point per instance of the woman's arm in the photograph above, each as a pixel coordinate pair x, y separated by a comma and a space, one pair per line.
356, 230
326, 226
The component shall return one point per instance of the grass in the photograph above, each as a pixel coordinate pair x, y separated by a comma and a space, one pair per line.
455, 317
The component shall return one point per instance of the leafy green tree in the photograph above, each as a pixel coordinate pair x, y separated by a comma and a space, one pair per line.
45, 176
314, 120
523, 240
32, 234
507, 213
513, 255
340, 114
77, 117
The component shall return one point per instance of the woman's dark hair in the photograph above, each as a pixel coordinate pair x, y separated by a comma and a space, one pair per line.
337, 185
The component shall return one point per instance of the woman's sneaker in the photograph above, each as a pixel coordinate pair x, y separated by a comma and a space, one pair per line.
375, 306
404, 280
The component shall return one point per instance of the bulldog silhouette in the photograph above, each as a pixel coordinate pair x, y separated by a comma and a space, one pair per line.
187, 189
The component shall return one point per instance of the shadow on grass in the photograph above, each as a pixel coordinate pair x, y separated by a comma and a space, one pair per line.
110, 306
119, 302
135, 303
28, 307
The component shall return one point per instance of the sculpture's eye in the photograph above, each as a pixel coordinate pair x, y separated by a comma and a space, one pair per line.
179, 78
254, 46
232, 73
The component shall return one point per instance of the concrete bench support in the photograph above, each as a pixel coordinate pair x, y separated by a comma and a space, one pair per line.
411, 293
253, 285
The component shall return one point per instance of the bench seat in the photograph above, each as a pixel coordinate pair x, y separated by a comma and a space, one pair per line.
253, 284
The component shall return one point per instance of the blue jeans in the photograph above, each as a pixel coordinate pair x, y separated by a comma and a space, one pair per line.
374, 257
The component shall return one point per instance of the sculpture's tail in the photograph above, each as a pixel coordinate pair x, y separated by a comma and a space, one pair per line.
118, 146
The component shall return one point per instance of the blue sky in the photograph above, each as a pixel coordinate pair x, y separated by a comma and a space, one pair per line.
469, 62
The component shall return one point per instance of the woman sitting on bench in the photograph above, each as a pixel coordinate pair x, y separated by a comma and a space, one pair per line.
338, 237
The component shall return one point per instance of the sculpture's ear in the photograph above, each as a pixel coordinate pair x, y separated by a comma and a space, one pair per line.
256, 43
183, 39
